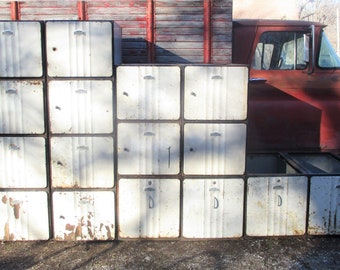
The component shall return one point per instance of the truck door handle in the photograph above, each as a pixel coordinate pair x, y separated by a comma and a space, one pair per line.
257, 80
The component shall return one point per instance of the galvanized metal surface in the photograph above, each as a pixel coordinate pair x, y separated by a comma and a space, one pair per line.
213, 208
149, 208
22, 107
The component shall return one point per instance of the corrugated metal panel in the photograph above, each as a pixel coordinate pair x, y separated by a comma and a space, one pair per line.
214, 148
20, 168
22, 107
148, 92
24, 216
149, 208
213, 208
82, 161
81, 106
276, 205
219, 92
148, 148
324, 207
20, 49
86, 215
79, 48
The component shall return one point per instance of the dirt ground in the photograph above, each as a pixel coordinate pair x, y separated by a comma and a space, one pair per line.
244, 253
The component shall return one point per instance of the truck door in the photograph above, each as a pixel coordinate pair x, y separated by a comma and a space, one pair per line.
292, 105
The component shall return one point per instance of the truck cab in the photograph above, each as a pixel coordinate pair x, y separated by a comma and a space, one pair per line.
294, 85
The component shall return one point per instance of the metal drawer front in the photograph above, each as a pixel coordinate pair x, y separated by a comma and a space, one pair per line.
81, 106
149, 208
213, 208
148, 148
24, 216
148, 92
82, 161
20, 49
22, 162
220, 93
78, 48
214, 148
84, 215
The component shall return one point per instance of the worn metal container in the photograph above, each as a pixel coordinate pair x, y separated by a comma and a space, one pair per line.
84, 215
276, 197
24, 216
215, 149
22, 107
20, 49
81, 106
79, 48
18, 167
148, 92
82, 162
213, 208
149, 208
220, 93
148, 148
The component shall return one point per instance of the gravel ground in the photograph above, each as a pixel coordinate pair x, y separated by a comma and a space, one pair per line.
244, 253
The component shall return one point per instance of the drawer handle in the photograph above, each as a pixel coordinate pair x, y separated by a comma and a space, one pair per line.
11, 91
81, 91
79, 33
8, 33
216, 77
149, 133
151, 202
149, 77
214, 189
216, 203
83, 147
278, 187
215, 134
279, 200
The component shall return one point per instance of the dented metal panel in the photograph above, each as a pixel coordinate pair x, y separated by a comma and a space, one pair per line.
149, 208
148, 92
324, 205
276, 205
148, 148
84, 215
82, 161
22, 107
81, 106
20, 49
220, 93
79, 48
213, 208
22, 162
24, 216
214, 148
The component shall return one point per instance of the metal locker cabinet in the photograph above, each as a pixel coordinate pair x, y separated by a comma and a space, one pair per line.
148, 92
213, 208
20, 49
24, 216
79, 48
220, 93
324, 205
81, 106
149, 208
148, 148
276, 205
215, 149
84, 215
82, 162
22, 107
19, 168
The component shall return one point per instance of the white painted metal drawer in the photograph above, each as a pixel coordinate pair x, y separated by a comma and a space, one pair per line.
216, 93
86, 215
81, 106
20, 49
22, 107
79, 48
148, 148
276, 205
24, 216
22, 162
213, 208
215, 149
82, 161
148, 92
149, 208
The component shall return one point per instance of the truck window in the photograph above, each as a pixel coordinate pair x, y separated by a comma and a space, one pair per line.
327, 56
279, 51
